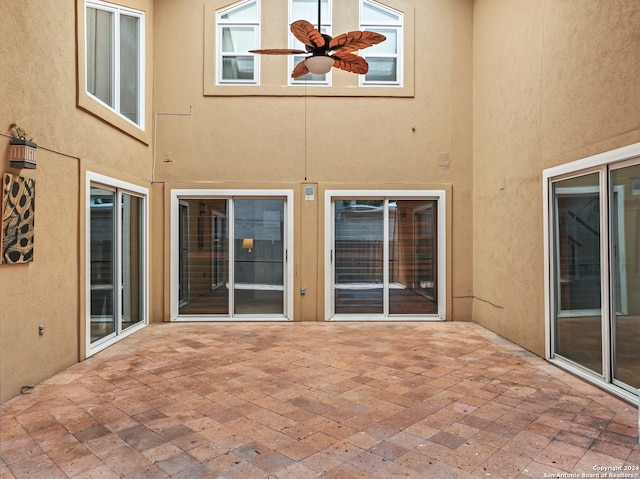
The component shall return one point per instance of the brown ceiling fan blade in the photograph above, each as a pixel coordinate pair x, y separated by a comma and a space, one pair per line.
353, 41
299, 70
277, 51
350, 63
307, 34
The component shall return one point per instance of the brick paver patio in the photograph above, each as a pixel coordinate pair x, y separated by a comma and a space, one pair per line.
316, 400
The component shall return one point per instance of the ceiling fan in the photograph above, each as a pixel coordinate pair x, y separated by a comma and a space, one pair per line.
325, 51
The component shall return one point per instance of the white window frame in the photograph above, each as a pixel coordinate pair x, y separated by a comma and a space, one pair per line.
329, 227
238, 194
601, 163
294, 43
220, 54
118, 11
95, 179
375, 27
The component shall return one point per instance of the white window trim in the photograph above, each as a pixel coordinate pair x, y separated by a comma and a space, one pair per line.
400, 45
93, 179
117, 10
220, 54
179, 194
596, 163
329, 201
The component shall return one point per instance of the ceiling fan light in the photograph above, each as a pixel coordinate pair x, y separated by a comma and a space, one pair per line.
319, 64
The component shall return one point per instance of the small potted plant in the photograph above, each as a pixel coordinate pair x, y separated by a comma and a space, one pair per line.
22, 150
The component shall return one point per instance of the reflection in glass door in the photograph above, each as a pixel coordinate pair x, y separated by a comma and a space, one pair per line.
413, 257
384, 258
203, 281
595, 273
358, 256
183, 247
259, 256
102, 260
578, 333
132, 260
625, 226
116, 264
235, 249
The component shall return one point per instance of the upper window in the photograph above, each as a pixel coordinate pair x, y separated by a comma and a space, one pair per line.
233, 28
115, 58
308, 10
238, 32
384, 59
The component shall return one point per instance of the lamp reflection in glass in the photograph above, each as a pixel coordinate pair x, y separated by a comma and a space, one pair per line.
319, 64
247, 243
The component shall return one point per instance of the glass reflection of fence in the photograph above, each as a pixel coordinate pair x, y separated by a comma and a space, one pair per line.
359, 261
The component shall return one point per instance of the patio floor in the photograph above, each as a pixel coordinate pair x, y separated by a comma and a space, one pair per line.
316, 400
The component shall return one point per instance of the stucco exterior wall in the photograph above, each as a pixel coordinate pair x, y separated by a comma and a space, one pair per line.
554, 81
495, 92
418, 137
360, 139
39, 92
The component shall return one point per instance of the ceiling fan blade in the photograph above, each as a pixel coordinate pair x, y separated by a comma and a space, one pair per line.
350, 62
299, 70
307, 34
277, 51
353, 41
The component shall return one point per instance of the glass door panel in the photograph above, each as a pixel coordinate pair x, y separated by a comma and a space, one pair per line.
413, 257
259, 254
102, 262
359, 257
578, 316
183, 245
203, 272
625, 240
132, 260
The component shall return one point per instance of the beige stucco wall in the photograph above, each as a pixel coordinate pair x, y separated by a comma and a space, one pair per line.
416, 137
554, 81
38, 91
359, 139
497, 91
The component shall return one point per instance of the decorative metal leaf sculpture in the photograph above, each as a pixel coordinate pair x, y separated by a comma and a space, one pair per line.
340, 48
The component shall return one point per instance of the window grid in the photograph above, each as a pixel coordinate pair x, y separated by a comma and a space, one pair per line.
389, 23
125, 98
238, 66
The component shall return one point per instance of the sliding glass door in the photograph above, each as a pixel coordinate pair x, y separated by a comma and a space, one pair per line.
595, 273
259, 256
578, 326
358, 257
232, 257
102, 260
625, 251
131, 260
116, 261
413, 253
383, 257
